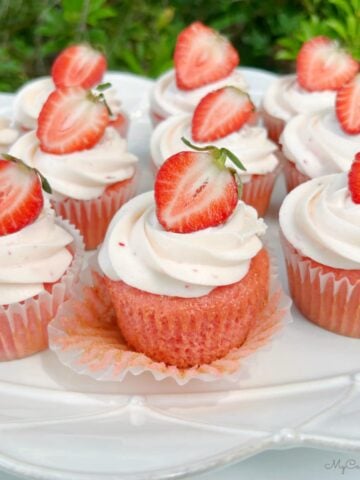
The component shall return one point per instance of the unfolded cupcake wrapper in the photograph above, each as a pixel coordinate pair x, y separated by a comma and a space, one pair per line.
23, 325
273, 125
86, 338
293, 177
330, 301
92, 217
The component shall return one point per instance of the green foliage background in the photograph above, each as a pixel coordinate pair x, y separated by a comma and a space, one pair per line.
139, 35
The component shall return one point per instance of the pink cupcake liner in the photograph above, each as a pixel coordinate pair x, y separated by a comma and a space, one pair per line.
23, 325
273, 125
327, 297
92, 217
86, 338
293, 177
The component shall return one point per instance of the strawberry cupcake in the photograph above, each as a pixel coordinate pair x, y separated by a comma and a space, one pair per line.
221, 118
325, 142
185, 267
322, 67
320, 225
84, 157
78, 65
204, 61
40, 259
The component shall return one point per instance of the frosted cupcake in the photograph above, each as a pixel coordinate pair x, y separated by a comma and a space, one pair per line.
221, 118
325, 142
85, 159
187, 271
78, 65
322, 67
204, 61
320, 225
40, 258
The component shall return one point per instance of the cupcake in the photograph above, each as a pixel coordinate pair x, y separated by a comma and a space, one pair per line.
185, 267
320, 226
204, 61
84, 158
40, 258
78, 65
221, 118
325, 142
322, 67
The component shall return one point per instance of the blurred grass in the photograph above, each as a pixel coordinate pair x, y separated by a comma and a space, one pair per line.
139, 35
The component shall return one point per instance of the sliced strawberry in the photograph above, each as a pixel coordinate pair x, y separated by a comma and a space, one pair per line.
323, 65
354, 179
71, 119
220, 113
202, 56
194, 190
21, 198
78, 65
348, 106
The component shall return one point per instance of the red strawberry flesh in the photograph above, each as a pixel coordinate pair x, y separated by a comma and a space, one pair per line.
220, 113
71, 120
202, 56
193, 193
354, 179
78, 65
323, 65
348, 106
21, 198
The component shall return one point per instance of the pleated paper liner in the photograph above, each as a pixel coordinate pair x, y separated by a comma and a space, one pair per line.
23, 325
86, 338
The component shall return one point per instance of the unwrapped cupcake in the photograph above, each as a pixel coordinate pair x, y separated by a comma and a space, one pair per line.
77, 65
40, 259
204, 61
325, 142
320, 225
84, 158
185, 266
322, 67
222, 119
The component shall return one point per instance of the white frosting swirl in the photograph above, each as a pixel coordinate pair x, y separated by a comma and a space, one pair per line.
317, 144
31, 97
322, 222
250, 144
8, 134
285, 98
81, 175
167, 99
35, 255
138, 251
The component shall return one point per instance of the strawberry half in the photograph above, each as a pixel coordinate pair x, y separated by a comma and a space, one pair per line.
348, 106
78, 65
21, 197
354, 179
72, 119
202, 56
220, 113
194, 190
322, 65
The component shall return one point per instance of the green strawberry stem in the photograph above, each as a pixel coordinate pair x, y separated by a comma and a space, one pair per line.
220, 155
100, 97
44, 183
103, 86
